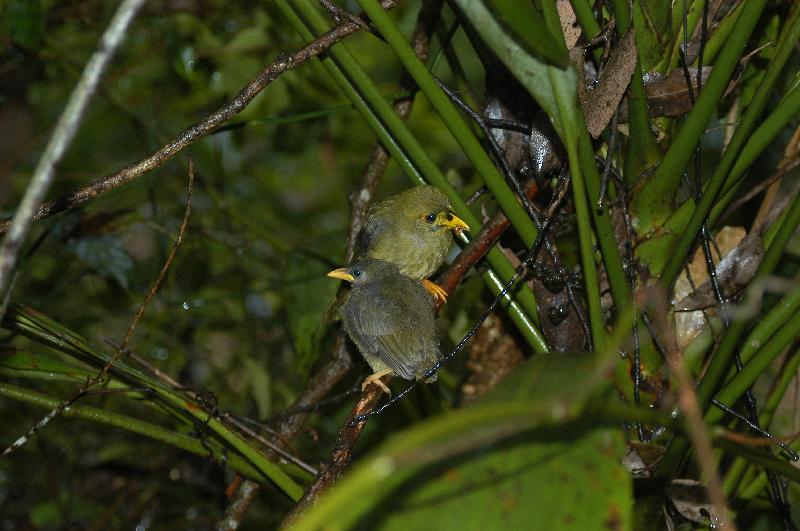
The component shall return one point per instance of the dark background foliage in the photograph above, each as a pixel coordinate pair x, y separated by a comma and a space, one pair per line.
238, 316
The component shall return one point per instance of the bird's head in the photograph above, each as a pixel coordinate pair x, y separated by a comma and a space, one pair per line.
430, 210
365, 271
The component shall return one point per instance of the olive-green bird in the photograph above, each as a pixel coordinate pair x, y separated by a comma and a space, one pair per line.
411, 230
390, 319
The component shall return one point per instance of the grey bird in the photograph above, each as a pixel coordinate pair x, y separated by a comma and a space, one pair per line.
390, 319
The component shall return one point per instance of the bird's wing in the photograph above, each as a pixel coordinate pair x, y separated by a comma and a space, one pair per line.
410, 354
369, 326
392, 331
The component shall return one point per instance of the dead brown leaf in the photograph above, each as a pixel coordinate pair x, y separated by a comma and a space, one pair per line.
689, 323
569, 23
669, 96
600, 103
734, 272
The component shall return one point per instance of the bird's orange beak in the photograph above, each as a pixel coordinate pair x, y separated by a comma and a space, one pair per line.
342, 274
448, 220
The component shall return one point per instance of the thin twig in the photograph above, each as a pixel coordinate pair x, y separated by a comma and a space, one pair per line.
342, 453
339, 15
61, 138
238, 505
756, 428
760, 187
233, 421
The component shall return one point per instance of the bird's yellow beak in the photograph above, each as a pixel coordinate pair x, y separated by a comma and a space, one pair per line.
342, 274
448, 220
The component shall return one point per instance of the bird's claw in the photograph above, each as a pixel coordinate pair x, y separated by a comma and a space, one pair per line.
375, 378
436, 290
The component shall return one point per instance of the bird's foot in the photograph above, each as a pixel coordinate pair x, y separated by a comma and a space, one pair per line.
375, 378
436, 290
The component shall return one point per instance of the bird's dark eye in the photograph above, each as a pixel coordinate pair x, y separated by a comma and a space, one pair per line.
357, 273
430, 218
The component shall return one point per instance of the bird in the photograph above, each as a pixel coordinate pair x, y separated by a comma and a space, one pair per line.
389, 317
411, 230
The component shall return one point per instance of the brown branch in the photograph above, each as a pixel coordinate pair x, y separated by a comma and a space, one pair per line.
342, 452
237, 507
339, 15
479, 246
200, 129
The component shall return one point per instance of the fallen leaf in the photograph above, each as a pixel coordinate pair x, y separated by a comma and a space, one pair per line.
600, 103
669, 96
734, 272
569, 23
690, 498
689, 324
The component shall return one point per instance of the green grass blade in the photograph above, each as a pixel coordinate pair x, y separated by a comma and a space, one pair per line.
44, 330
653, 203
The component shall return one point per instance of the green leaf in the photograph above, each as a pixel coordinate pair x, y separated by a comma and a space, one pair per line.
46, 514
105, 255
535, 483
306, 292
529, 29
260, 387
25, 20
33, 365
519, 458
652, 23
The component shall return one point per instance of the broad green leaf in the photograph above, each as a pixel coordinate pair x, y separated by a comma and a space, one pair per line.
534, 483
307, 292
25, 20
522, 457
260, 387
529, 29
105, 255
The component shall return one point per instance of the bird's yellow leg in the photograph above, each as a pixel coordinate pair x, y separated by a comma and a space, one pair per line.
375, 378
436, 290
